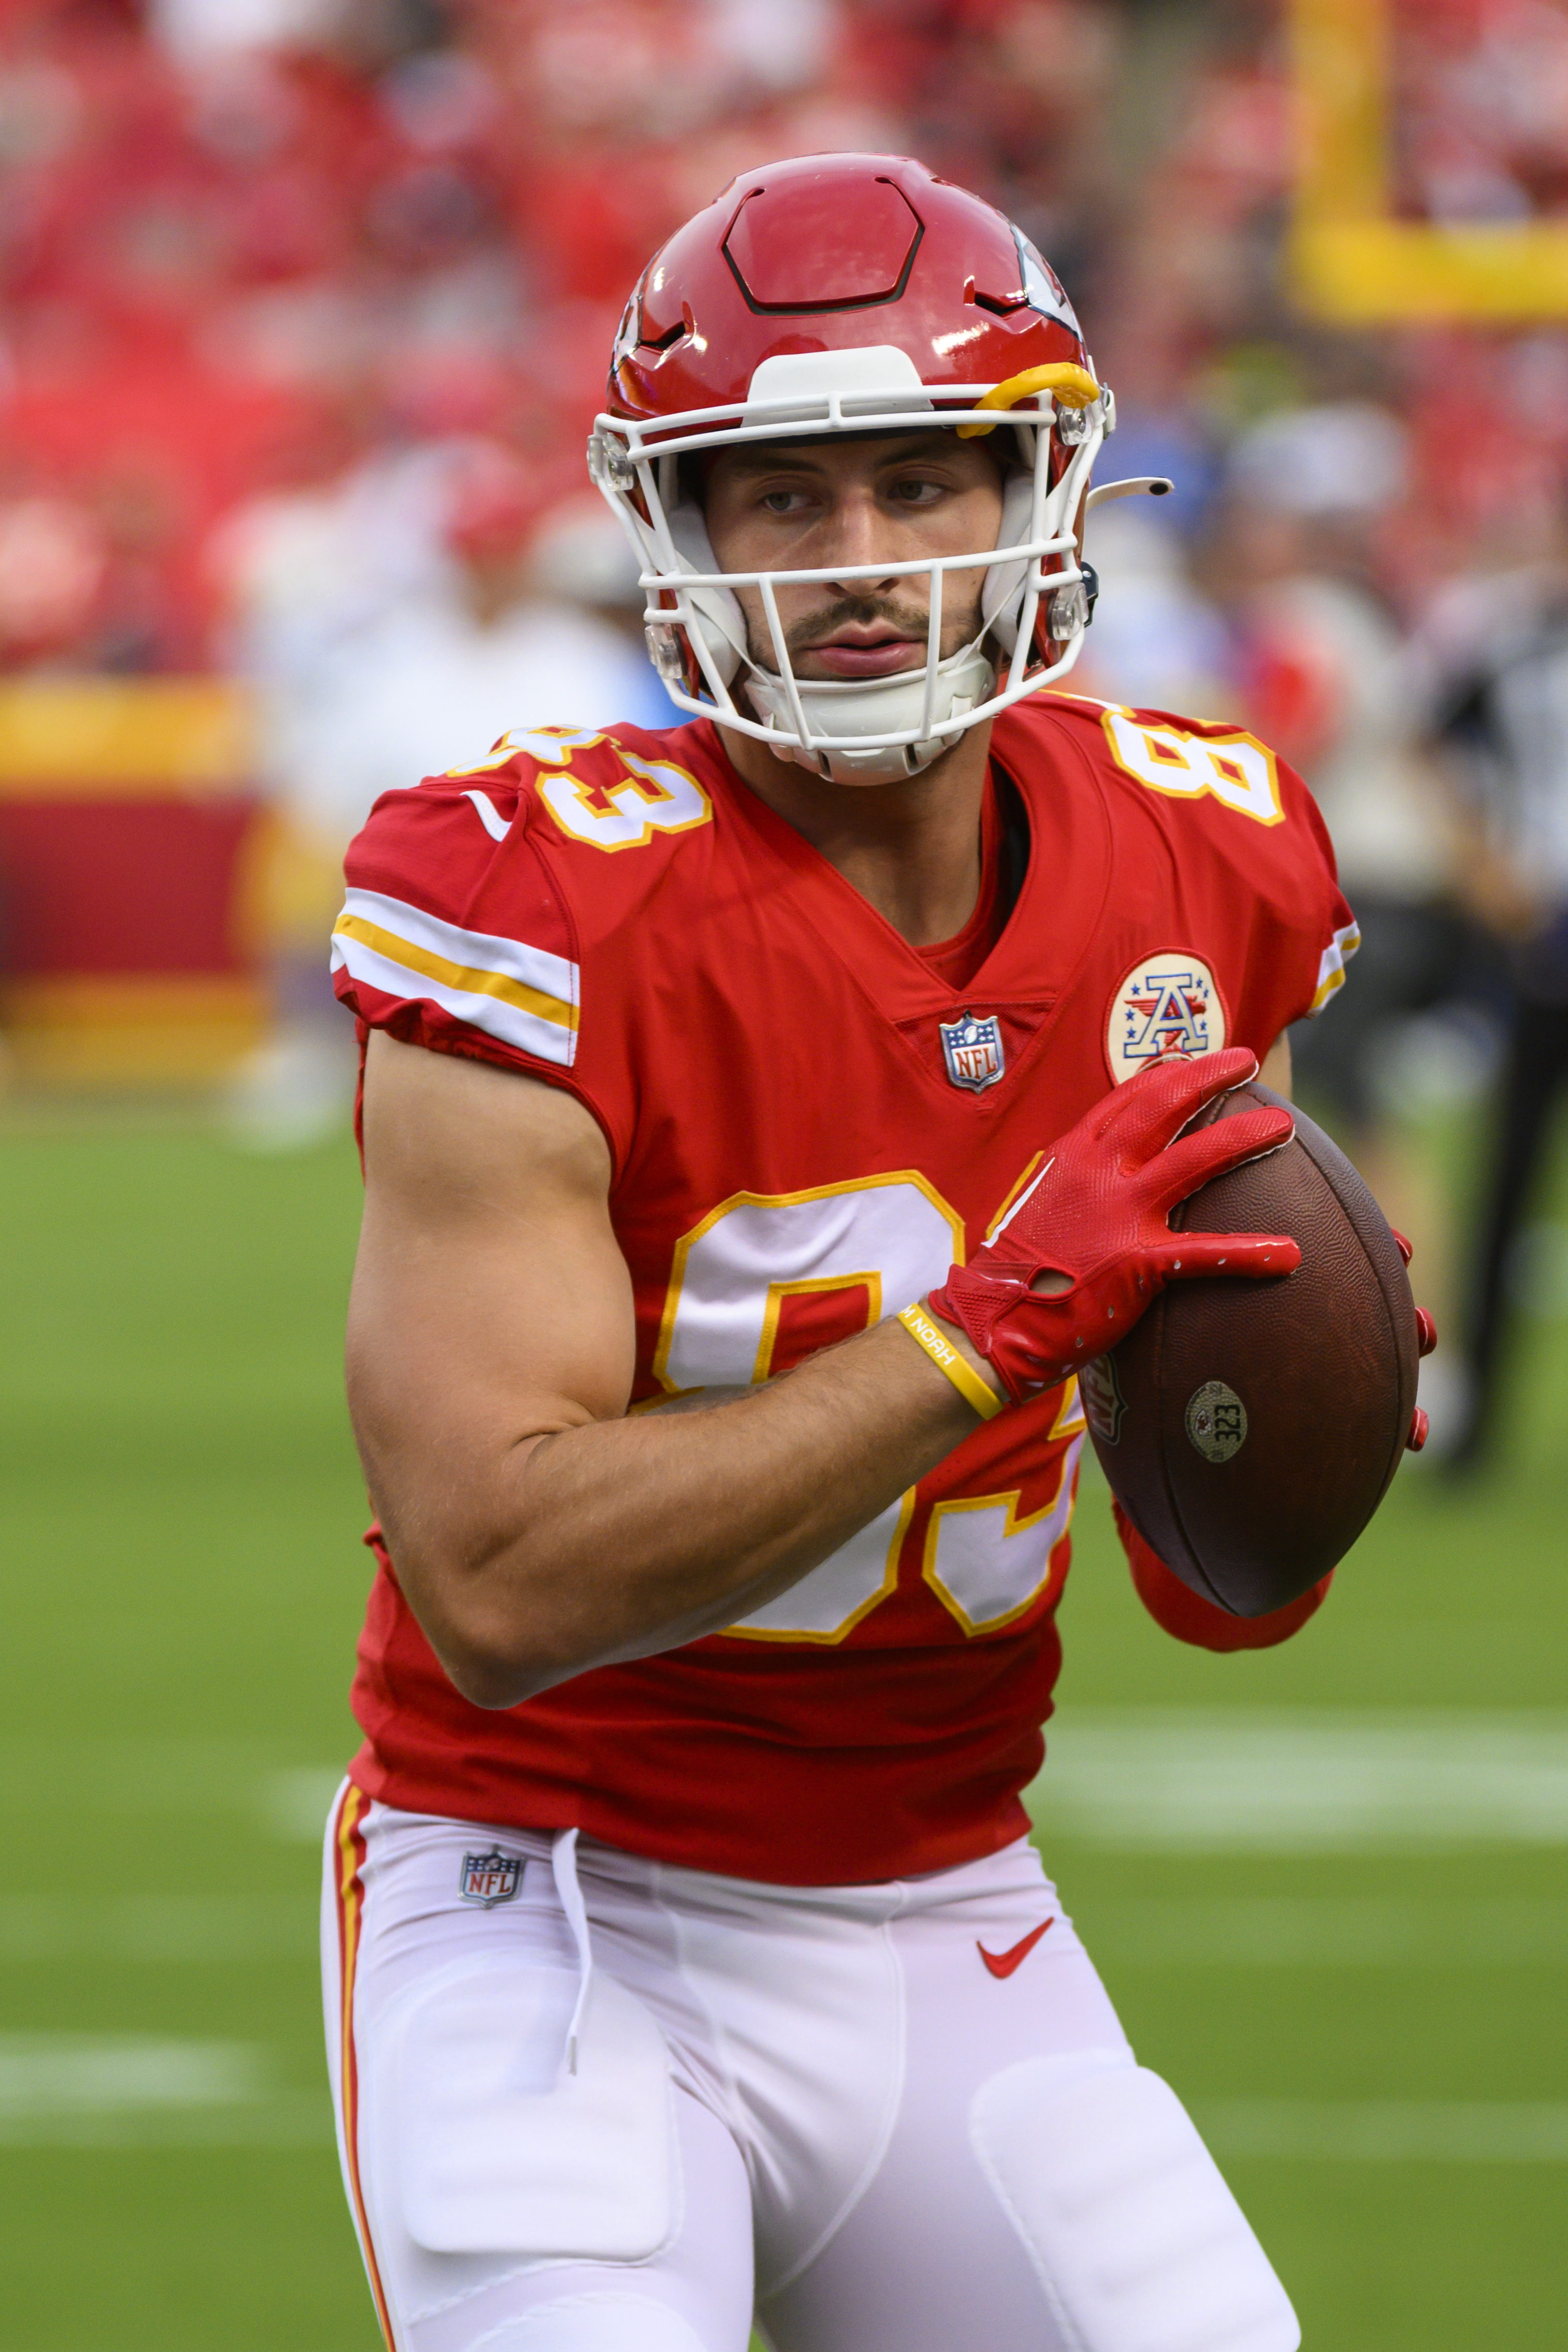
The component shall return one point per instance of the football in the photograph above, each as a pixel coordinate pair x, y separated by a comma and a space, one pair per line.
1250, 1429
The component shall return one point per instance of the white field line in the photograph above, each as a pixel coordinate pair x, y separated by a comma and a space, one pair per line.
295, 1804
1299, 1781
237, 1780
1388, 2131
52, 2074
136, 2090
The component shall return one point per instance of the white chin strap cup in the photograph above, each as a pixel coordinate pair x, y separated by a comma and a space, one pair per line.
882, 707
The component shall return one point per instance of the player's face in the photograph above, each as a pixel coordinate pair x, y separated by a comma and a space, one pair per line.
807, 505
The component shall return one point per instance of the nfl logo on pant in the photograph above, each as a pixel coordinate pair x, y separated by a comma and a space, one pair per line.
972, 1051
490, 1878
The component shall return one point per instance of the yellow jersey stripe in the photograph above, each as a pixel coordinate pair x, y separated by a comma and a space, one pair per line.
472, 983
1331, 967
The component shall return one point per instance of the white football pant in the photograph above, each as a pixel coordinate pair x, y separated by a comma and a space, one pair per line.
588, 2102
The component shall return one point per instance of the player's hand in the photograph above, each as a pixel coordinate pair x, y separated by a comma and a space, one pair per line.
1097, 1215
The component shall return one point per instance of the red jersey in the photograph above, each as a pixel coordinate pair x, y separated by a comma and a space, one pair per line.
807, 1123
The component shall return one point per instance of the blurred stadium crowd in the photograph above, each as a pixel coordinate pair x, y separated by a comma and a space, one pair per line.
306, 307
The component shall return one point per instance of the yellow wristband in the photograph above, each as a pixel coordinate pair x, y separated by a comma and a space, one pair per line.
968, 1383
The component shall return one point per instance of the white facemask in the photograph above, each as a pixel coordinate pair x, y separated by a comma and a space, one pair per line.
876, 729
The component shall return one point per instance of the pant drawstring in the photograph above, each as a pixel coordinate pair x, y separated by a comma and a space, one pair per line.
564, 1865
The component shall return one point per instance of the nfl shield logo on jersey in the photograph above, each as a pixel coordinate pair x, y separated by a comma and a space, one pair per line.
972, 1051
490, 1878
1166, 1005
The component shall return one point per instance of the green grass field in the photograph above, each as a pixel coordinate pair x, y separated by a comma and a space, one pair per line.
1327, 1887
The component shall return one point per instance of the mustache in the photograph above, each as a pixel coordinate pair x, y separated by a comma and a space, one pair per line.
909, 620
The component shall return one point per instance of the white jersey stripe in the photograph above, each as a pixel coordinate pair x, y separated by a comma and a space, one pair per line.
521, 994
1331, 966
479, 951
456, 975
530, 1032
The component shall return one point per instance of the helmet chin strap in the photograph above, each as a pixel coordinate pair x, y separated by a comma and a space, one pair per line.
884, 706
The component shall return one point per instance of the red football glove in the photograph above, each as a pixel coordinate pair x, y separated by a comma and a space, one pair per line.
1097, 1212
1178, 1610
1426, 1341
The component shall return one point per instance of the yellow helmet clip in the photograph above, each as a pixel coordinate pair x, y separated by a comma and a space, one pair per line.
1073, 386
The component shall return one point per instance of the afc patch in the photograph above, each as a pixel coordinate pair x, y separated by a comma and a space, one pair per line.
490, 1878
1166, 1005
972, 1051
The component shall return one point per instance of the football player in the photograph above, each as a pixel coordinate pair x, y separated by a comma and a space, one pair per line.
763, 1123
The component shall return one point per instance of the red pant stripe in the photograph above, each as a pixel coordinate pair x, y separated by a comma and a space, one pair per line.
350, 1905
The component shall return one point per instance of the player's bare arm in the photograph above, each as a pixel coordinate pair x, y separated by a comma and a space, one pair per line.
538, 1530
1276, 1069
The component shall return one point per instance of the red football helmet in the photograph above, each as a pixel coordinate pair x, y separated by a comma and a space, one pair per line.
853, 293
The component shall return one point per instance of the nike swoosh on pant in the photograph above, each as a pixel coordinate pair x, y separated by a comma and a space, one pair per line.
1002, 1964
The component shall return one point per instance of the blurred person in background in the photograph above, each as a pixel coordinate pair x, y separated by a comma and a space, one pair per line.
53, 563
374, 660
469, 643
578, 556
1319, 660
1500, 727
1157, 642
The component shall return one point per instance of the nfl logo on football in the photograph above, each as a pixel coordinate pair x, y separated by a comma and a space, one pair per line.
490, 1878
972, 1051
